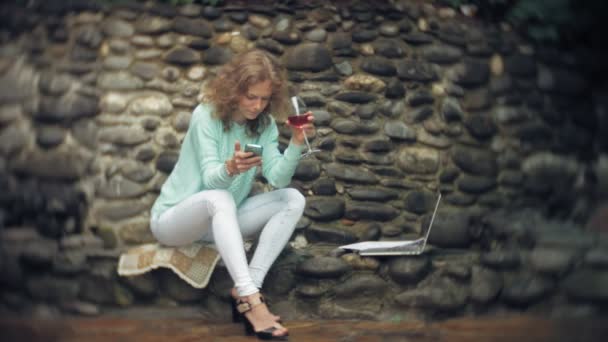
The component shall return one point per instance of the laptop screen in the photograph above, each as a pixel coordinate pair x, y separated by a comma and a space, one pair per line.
428, 231
395, 247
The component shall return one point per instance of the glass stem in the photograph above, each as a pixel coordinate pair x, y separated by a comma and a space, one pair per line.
306, 140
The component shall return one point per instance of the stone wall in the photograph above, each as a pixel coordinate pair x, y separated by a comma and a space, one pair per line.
409, 100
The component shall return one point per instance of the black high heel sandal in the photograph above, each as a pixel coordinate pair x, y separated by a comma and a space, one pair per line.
237, 317
240, 307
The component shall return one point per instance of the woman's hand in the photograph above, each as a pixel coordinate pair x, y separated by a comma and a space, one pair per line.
241, 161
297, 133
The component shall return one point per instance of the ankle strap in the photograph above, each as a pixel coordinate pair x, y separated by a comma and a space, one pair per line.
244, 306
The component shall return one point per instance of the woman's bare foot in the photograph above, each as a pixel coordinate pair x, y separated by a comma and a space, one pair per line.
260, 317
235, 296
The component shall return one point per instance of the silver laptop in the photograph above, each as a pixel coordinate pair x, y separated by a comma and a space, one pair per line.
404, 247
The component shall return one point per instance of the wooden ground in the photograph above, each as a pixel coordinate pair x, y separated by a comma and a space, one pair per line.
511, 329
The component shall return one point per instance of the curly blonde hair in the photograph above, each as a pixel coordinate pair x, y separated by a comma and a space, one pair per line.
234, 79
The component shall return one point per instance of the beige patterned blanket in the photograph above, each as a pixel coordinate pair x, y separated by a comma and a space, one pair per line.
193, 263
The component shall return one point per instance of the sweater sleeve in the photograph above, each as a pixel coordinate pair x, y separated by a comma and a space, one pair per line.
278, 168
206, 135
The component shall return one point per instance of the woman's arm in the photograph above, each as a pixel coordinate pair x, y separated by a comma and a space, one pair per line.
206, 136
278, 168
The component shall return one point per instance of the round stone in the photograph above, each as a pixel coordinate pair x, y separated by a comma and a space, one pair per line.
317, 35
324, 209
145, 70
50, 136
182, 56
157, 105
117, 28
408, 269
309, 57
117, 62
216, 55
182, 121
323, 267
145, 41
166, 161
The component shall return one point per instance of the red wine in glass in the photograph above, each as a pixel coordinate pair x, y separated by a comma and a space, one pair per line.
298, 120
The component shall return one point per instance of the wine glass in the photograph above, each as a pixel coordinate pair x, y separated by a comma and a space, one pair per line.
299, 119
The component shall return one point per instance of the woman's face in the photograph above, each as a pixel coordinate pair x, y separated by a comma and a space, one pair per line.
253, 101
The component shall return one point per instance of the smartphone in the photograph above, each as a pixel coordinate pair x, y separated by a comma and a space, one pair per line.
256, 149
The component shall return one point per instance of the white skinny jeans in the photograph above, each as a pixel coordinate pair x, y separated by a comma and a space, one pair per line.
211, 215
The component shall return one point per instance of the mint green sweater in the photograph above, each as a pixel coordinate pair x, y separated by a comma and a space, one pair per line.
205, 149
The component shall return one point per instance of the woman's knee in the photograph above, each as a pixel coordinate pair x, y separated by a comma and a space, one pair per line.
165, 233
222, 200
294, 199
